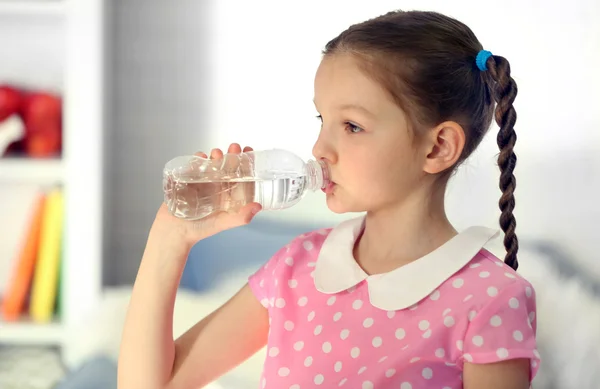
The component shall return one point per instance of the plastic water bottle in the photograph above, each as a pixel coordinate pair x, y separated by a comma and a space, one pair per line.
195, 187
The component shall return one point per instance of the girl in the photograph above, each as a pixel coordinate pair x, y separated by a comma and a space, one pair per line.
394, 299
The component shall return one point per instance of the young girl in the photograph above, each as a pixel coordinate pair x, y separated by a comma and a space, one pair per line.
395, 299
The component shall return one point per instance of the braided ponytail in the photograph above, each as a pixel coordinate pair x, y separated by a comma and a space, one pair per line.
504, 91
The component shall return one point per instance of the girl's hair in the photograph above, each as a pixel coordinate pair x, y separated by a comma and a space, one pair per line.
427, 63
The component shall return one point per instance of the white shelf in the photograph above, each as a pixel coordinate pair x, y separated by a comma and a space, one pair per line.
26, 333
32, 7
43, 171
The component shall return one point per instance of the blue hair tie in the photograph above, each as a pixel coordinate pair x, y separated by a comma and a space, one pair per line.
482, 58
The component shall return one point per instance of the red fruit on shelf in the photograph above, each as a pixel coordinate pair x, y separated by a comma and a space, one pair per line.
42, 114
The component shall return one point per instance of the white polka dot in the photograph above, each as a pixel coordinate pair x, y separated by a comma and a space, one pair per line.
368, 322
265, 302
468, 357
261, 283
423, 325
518, 336
390, 373
308, 361
440, 352
528, 291
343, 381
319, 379
427, 334
289, 261
292, 283
391, 314
326, 347
513, 303
457, 283
337, 316
338, 366
496, 321
415, 359
288, 325
312, 274
311, 316
367, 385
351, 289
502, 353
272, 301
280, 303
499, 264
446, 311
295, 386
362, 370
534, 364
448, 321
427, 373
492, 291
435, 295
311, 264
484, 274
510, 275
331, 300
264, 382
344, 334
413, 307
531, 317
536, 353
308, 245
273, 351
405, 385
459, 345
299, 345
357, 304
473, 266
302, 301
477, 340
355, 352
318, 329
472, 315
283, 372
276, 281
400, 333
377, 341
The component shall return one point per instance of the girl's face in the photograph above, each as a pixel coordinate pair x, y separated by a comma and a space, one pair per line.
374, 159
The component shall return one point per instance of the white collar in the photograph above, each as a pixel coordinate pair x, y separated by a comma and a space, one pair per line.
336, 269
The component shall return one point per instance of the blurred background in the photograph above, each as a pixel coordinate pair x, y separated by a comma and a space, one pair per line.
95, 97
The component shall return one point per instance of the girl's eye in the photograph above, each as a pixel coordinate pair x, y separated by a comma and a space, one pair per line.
353, 128
319, 118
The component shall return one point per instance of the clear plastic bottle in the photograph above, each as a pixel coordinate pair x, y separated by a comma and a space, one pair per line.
195, 187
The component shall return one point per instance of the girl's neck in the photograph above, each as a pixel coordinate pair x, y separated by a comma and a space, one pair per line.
402, 233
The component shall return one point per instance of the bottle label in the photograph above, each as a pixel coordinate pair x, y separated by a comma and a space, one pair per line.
297, 185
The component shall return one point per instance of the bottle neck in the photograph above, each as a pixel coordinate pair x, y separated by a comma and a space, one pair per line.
317, 174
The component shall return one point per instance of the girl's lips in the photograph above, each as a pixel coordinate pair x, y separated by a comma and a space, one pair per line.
329, 188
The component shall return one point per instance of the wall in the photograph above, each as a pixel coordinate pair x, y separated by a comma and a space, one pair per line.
157, 109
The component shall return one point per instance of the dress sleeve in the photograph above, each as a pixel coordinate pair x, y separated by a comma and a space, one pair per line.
504, 328
262, 281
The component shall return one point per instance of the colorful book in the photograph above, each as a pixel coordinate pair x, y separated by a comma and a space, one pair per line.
45, 282
16, 295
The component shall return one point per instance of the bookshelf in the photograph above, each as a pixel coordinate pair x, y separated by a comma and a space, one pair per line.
76, 69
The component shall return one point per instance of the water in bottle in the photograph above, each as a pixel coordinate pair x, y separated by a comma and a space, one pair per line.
195, 187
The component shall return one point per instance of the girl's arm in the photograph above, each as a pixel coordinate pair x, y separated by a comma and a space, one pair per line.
512, 374
151, 359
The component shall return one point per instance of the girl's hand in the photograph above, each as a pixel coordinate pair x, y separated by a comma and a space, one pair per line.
169, 228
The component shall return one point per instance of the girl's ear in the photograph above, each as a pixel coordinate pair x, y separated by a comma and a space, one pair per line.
443, 145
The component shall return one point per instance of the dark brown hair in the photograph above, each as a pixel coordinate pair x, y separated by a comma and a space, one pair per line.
427, 63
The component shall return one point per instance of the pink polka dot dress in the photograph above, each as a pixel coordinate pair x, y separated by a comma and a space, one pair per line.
333, 325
